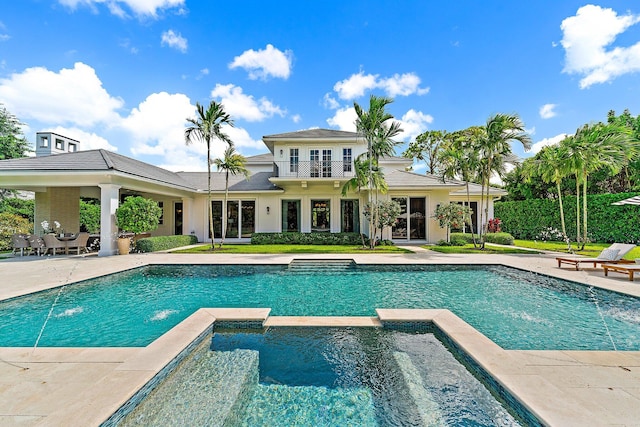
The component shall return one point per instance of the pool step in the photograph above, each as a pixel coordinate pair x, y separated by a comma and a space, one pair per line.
310, 406
209, 388
321, 265
428, 408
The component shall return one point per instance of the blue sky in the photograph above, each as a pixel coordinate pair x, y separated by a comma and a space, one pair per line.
124, 74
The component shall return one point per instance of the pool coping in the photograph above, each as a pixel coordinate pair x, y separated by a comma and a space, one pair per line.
86, 385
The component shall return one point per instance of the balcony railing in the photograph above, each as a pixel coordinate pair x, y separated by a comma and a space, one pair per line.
314, 169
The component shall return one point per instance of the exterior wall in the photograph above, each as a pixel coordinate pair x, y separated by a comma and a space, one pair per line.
60, 204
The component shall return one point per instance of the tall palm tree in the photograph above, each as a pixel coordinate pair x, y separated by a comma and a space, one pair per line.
495, 151
374, 126
459, 159
232, 163
207, 126
599, 146
551, 164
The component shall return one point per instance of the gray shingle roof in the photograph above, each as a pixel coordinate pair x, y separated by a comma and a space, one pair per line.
313, 134
95, 160
256, 182
403, 179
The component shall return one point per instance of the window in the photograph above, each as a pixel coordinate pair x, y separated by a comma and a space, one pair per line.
216, 209
326, 163
72, 148
290, 215
161, 206
44, 141
232, 218
320, 215
400, 230
350, 216
248, 218
346, 159
293, 160
417, 208
59, 144
314, 158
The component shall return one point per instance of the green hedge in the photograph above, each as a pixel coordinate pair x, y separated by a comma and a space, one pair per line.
306, 239
497, 238
11, 224
162, 243
529, 219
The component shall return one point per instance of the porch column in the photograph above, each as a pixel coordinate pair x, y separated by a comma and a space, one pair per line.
109, 200
187, 216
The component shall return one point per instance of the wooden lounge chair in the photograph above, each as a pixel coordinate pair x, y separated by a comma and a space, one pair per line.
628, 269
612, 255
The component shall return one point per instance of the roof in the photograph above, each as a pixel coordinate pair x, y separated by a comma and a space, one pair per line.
476, 189
260, 158
314, 134
257, 182
95, 160
404, 179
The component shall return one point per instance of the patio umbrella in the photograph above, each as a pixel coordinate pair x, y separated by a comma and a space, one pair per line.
635, 200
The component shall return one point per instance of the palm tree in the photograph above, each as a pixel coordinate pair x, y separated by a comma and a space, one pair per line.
598, 146
233, 163
375, 128
459, 160
206, 127
551, 164
495, 151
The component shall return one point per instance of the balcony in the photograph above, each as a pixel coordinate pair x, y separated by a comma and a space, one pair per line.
314, 169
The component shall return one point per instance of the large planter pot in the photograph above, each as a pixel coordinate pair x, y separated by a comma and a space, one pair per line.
124, 245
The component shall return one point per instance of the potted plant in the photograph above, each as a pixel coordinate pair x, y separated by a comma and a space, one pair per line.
136, 215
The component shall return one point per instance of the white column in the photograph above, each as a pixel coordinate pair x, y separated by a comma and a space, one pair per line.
187, 216
109, 201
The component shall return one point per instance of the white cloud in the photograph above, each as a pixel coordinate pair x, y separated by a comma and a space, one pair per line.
398, 85
242, 106
296, 118
174, 40
157, 126
72, 96
413, 123
330, 102
148, 8
344, 119
262, 64
356, 85
547, 111
88, 140
536, 147
586, 37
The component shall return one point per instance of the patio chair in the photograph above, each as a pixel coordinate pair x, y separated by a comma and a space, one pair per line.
19, 242
37, 244
612, 255
79, 243
52, 243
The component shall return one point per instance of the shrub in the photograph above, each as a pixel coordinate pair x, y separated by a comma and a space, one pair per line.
11, 224
466, 237
499, 238
163, 243
138, 215
458, 242
443, 242
296, 238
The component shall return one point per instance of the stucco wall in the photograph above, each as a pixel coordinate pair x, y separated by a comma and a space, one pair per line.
60, 204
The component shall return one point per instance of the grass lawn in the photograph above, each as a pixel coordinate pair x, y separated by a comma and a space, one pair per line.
289, 249
469, 249
590, 250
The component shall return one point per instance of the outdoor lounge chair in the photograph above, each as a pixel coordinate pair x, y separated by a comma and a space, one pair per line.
79, 243
52, 243
19, 242
612, 255
37, 244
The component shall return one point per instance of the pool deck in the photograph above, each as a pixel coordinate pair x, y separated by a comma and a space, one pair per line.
84, 386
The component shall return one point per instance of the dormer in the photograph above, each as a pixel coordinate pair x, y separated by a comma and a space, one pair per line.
48, 143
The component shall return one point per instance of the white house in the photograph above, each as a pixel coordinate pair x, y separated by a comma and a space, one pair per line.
297, 186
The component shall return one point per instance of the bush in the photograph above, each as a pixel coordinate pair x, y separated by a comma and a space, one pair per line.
138, 215
11, 224
499, 238
526, 219
458, 242
296, 238
466, 237
163, 243
443, 242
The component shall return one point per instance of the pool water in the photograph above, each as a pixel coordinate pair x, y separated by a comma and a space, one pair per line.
516, 309
321, 377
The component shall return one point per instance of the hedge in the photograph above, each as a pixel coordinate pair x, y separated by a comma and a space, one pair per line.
530, 219
295, 238
11, 224
497, 238
162, 243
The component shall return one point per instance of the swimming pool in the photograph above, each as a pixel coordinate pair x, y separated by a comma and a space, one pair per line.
321, 376
514, 308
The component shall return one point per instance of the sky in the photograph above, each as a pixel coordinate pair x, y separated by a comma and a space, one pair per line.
124, 75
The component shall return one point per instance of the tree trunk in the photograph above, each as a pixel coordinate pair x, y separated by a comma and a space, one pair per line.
584, 212
564, 227
473, 234
225, 213
213, 247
